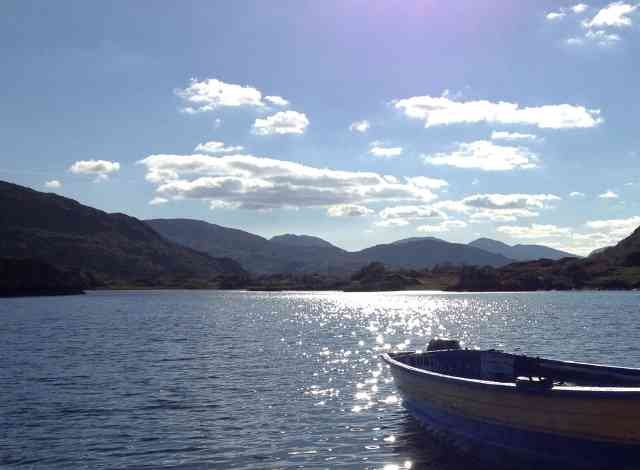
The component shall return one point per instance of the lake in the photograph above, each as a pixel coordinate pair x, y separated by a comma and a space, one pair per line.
249, 380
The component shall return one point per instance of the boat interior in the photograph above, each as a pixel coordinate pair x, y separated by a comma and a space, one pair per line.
522, 370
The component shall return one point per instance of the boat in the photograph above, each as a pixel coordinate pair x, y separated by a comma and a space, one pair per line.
499, 405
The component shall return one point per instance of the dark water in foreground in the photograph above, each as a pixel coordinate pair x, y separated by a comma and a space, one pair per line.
198, 380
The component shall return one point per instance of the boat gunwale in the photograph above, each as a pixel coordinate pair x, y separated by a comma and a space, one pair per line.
556, 390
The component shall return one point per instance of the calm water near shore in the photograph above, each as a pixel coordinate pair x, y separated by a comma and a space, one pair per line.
205, 379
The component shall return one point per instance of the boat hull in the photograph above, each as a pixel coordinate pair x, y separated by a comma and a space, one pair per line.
567, 427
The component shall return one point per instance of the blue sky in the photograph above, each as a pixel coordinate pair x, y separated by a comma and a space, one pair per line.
358, 121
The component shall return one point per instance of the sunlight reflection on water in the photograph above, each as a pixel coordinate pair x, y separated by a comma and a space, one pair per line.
261, 380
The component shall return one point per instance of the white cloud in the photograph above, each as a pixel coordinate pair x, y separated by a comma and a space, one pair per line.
619, 228
387, 223
485, 155
379, 149
615, 14
360, 126
598, 28
577, 194
579, 8
426, 182
207, 95
101, 169
348, 210
399, 216
276, 100
606, 233
264, 183
534, 231
502, 215
283, 122
575, 41
512, 136
499, 207
411, 212
444, 226
555, 15
608, 195
216, 147
510, 201
53, 184
436, 111
157, 201
602, 38
600, 233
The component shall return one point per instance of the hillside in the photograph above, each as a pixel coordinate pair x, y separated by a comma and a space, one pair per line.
626, 253
520, 252
112, 249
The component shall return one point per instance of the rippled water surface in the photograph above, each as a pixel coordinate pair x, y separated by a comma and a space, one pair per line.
203, 379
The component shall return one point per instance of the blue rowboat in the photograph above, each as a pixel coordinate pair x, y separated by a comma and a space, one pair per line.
498, 405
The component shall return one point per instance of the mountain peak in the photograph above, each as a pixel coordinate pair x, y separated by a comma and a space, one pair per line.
416, 239
486, 243
301, 240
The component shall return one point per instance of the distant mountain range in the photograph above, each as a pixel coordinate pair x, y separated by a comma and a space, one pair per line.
108, 249
520, 252
299, 254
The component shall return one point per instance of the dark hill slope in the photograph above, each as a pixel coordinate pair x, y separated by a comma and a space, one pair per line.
625, 253
114, 249
520, 252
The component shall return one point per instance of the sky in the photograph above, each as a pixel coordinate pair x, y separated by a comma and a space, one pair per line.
359, 121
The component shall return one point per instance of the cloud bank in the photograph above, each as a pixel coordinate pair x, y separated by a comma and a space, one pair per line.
261, 183
441, 110
214, 147
381, 150
485, 155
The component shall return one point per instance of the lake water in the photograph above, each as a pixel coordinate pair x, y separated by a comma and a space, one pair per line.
205, 379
